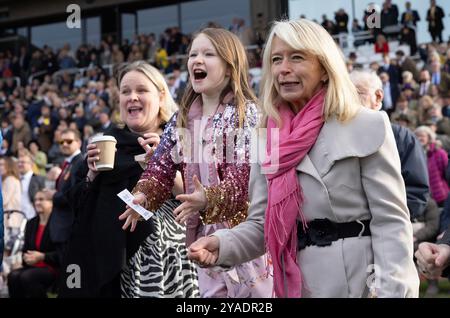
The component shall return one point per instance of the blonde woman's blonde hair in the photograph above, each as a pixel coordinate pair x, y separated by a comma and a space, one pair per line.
407, 76
341, 99
169, 106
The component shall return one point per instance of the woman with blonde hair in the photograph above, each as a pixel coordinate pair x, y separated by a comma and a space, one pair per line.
11, 188
208, 140
329, 202
424, 105
152, 261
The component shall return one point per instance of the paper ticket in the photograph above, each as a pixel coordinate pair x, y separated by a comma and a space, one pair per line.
128, 198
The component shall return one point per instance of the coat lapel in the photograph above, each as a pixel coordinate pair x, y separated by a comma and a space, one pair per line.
306, 166
360, 137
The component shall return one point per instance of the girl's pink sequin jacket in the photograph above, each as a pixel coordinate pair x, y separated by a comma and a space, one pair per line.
227, 195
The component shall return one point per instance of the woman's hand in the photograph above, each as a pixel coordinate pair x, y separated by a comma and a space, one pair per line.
32, 257
92, 157
432, 259
194, 202
205, 251
131, 216
149, 143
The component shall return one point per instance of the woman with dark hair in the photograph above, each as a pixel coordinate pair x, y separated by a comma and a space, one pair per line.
40, 260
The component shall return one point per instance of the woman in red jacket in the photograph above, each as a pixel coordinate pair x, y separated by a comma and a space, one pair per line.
39, 254
381, 45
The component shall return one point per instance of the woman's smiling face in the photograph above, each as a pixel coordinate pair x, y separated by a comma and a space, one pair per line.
139, 101
298, 76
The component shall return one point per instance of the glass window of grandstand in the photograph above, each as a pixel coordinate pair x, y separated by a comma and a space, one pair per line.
197, 14
55, 35
157, 20
128, 26
93, 32
23, 31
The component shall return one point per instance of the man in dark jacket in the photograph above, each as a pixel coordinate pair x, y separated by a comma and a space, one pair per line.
341, 19
414, 170
410, 17
435, 14
62, 216
412, 158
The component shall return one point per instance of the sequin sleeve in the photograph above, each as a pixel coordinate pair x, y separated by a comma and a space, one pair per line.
157, 180
228, 201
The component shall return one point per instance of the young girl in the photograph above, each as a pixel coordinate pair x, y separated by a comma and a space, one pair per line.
208, 140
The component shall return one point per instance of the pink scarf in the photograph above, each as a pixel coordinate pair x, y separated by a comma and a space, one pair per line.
296, 137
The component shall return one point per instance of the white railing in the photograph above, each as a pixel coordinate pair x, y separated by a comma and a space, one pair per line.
36, 74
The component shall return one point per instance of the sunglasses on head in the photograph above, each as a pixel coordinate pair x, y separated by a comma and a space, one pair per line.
68, 141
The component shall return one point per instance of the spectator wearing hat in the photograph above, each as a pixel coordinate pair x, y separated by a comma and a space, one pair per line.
407, 64
404, 114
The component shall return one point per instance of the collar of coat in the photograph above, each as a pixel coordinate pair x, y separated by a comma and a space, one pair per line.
360, 137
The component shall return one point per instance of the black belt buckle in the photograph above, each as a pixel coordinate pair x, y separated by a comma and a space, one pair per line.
322, 232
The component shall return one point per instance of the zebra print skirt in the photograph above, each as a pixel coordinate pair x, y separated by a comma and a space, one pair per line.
160, 267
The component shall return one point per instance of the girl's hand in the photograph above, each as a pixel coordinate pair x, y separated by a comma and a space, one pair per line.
194, 202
